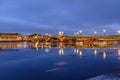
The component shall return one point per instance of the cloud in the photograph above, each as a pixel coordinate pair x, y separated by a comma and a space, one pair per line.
56, 15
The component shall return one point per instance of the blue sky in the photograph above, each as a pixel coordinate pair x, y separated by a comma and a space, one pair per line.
40, 16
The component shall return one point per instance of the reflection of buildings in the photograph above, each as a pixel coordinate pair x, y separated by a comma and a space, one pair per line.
100, 43
80, 53
25, 45
88, 42
118, 54
10, 37
111, 42
104, 54
61, 51
118, 51
11, 45
95, 52
34, 45
33, 37
76, 50
79, 42
47, 50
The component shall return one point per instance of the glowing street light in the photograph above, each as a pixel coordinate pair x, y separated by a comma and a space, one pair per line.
77, 33
81, 32
118, 32
104, 31
95, 33
61, 33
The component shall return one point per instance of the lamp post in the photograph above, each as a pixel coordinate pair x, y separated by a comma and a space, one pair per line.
95, 32
81, 32
77, 33
104, 31
118, 32
61, 33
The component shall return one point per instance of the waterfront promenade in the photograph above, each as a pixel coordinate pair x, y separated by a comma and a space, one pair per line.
81, 40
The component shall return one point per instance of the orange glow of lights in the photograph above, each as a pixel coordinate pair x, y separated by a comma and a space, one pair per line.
104, 55
95, 52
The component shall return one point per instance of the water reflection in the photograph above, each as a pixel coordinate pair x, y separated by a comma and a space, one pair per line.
73, 59
76, 51
61, 51
104, 54
25, 44
118, 51
61, 46
81, 53
95, 52
47, 50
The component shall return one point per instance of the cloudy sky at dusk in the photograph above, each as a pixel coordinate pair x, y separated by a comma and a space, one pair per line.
40, 16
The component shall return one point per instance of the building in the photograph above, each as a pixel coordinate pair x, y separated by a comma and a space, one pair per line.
10, 37
100, 43
112, 42
33, 37
88, 42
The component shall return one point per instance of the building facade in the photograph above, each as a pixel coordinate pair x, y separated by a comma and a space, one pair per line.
10, 37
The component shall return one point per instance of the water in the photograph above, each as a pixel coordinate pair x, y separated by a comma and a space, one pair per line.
33, 61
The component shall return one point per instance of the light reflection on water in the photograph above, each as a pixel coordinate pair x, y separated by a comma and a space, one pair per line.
31, 61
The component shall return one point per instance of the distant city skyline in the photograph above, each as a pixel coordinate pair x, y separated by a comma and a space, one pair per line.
52, 16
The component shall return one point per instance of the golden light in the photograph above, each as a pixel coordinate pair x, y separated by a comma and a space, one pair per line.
80, 52
25, 44
36, 45
36, 36
95, 52
118, 51
104, 55
61, 52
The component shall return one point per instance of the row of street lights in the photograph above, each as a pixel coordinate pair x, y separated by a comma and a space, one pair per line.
61, 33
95, 32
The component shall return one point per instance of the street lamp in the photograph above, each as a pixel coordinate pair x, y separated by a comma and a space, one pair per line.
104, 31
46, 34
118, 32
77, 33
81, 32
95, 33
61, 33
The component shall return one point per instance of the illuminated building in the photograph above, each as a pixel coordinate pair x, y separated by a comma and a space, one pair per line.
34, 37
10, 37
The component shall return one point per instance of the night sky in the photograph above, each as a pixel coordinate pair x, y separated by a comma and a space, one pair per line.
40, 16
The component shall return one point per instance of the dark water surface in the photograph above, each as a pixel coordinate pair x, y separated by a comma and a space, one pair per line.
23, 62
